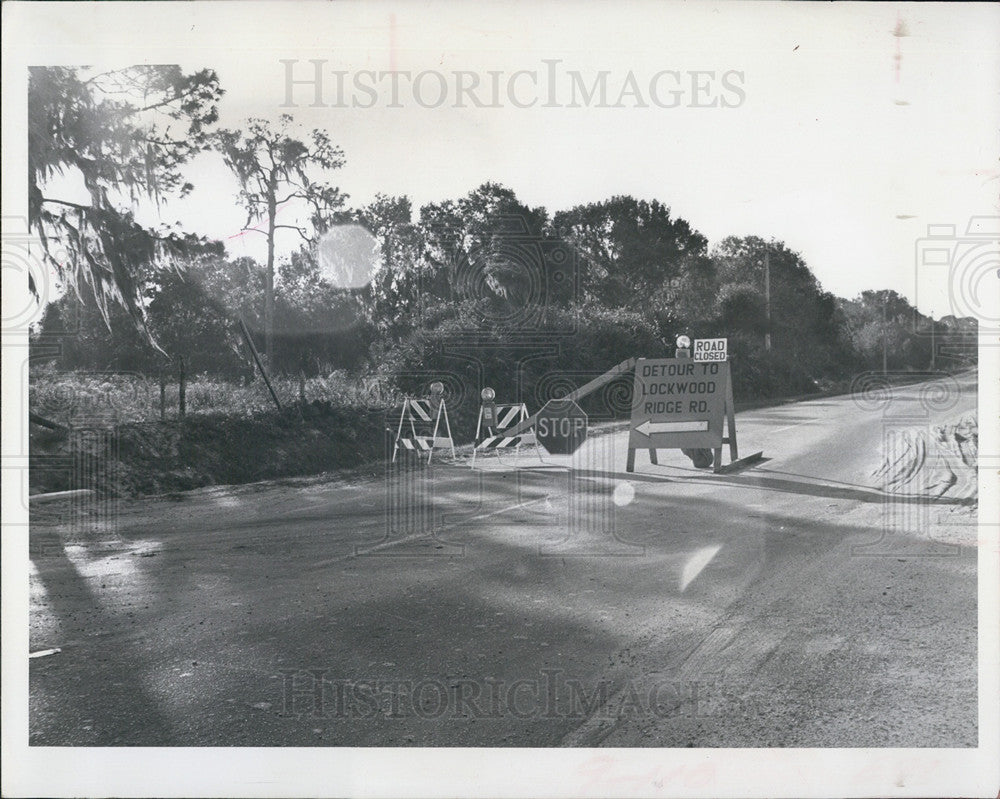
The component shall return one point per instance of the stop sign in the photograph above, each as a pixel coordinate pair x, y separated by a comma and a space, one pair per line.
561, 427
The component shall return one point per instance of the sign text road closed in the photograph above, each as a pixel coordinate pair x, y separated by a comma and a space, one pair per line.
711, 349
678, 403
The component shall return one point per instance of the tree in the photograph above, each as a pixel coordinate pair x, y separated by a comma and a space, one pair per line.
87, 340
742, 309
191, 323
690, 299
237, 284
633, 248
123, 137
273, 168
189, 312
392, 299
802, 320
883, 328
492, 253
318, 324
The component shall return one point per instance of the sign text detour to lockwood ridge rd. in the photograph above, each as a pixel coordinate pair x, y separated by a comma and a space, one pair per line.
678, 403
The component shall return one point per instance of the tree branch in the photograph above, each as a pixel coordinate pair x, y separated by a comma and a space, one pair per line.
68, 204
165, 101
294, 194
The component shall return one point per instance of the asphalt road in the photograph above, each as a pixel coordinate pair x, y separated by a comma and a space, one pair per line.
561, 603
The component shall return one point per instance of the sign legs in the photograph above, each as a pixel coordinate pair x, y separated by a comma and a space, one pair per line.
731, 421
630, 463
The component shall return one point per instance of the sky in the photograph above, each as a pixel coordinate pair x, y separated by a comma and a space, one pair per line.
855, 127
842, 130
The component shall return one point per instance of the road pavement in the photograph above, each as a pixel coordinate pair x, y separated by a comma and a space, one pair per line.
529, 602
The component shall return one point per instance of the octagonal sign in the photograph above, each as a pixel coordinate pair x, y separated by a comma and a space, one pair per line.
561, 427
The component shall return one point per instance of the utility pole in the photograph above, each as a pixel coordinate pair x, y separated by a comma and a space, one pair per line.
884, 336
933, 348
767, 299
272, 212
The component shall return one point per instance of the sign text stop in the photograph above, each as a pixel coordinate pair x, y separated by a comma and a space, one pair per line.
561, 427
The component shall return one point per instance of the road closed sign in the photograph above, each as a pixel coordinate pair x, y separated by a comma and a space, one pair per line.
678, 403
710, 349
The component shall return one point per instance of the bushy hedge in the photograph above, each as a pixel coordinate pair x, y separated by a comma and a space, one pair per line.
525, 365
759, 374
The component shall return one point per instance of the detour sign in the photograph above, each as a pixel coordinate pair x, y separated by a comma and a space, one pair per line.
678, 403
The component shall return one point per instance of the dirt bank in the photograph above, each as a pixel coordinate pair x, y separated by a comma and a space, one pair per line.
177, 455
936, 461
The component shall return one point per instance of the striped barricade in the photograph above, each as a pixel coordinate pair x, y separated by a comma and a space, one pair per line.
493, 421
426, 414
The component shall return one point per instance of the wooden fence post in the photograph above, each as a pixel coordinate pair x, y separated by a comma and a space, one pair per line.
256, 357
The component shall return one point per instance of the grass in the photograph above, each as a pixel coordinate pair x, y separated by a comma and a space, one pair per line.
77, 399
231, 432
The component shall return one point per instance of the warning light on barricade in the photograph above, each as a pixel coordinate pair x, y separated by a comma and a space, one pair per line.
428, 414
494, 420
683, 347
436, 398
488, 412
